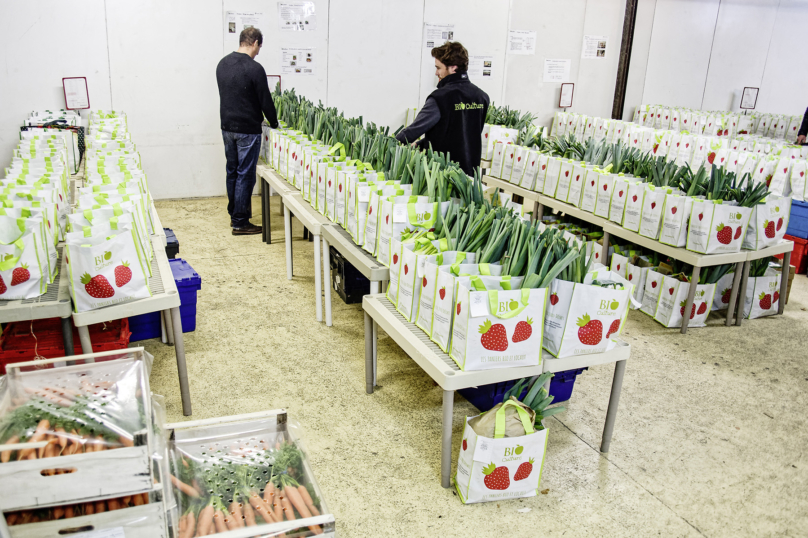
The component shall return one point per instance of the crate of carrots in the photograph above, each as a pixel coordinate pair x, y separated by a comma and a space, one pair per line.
74, 433
136, 515
244, 476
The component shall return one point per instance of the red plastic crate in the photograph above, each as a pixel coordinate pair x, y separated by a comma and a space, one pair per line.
799, 256
17, 344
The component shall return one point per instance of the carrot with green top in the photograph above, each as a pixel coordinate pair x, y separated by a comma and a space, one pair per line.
5, 456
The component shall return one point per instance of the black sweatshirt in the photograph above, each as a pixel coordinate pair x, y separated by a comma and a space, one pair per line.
244, 94
804, 127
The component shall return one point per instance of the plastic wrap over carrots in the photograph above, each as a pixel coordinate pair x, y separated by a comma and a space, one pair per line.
226, 480
73, 410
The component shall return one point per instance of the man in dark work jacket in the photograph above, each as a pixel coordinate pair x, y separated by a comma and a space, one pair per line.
803, 129
453, 116
244, 100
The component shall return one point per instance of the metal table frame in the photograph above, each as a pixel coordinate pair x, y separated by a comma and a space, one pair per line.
294, 204
445, 372
362, 260
165, 298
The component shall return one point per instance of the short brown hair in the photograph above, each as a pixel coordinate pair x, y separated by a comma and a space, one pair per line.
452, 53
249, 36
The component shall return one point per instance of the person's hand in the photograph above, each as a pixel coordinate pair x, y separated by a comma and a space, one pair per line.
801, 139
416, 143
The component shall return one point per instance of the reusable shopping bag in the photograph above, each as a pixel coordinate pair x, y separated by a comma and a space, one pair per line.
762, 295
653, 285
428, 274
497, 324
501, 466
105, 269
581, 318
672, 301
23, 271
768, 223
716, 226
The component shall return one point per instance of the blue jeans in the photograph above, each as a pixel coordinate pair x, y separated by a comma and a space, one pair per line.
242, 152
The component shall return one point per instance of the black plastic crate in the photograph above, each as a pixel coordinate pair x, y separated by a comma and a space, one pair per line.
350, 284
172, 243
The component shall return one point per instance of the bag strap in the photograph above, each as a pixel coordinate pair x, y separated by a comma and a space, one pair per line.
499, 419
493, 303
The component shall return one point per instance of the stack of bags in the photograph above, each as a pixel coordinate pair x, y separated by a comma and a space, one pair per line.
33, 214
108, 245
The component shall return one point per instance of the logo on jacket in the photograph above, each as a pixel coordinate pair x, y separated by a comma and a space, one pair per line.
468, 106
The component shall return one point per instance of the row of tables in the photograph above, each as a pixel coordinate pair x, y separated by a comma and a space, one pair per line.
56, 303
380, 312
742, 259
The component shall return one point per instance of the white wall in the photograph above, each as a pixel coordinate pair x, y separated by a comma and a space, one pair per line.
702, 53
156, 60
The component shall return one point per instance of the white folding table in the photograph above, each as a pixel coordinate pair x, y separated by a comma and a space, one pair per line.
445, 372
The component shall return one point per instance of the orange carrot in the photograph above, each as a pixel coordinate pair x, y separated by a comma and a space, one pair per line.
288, 511
269, 493
113, 504
58, 512
69, 512
11, 519
277, 506
89, 509
100, 507
26, 517
307, 499
5, 456
249, 515
125, 441
183, 526
297, 500
236, 513
218, 522
183, 487
205, 523
137, 500
127, 501
61, 435
39, 435
261, 508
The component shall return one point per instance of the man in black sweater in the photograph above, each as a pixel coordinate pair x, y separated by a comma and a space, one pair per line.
453, 116
244, 100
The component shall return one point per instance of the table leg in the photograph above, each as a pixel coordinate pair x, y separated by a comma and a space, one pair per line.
733, 295
742, 293
327, 281
67, 335
169, 327
182, 371
691, 294
614, 401
318, 275
446, 441
604, 254
269, 214
539, 211
374, 289
84, 336
287, 229
784, 282
370, 362
263, 210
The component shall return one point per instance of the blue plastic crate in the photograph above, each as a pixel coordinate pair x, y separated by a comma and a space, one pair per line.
188, 283
147, 326
172, 243
562, 383
487, 396
798, 221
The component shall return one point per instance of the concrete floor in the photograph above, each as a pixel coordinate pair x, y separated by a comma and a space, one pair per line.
710, 437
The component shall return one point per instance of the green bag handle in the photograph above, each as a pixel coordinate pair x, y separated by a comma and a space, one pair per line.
443, 244
485, 269
113, 223
477, 283
11, 261
493, 303
88, 231
88, 215
339, 146
117, 210
455, 269
25, 212
499, 423
7, 203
